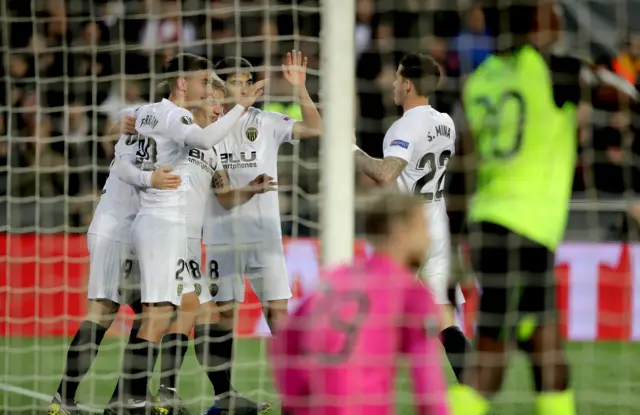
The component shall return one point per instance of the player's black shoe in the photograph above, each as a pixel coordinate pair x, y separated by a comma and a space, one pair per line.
236, 404
58, 407
168, 398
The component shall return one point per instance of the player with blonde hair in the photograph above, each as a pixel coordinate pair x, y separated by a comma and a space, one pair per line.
166, 132
113, 271
207, 177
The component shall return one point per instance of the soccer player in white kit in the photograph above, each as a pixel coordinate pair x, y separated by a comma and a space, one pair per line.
207, 176
166, 135
417, 149
248, 239
112, 267
210, 353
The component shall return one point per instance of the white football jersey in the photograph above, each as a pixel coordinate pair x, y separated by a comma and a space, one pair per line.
202, 166
119, 202
250, 149
425, 139
162, 129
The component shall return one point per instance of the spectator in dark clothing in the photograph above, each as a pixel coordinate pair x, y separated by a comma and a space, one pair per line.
474, 43
91, 64
375, 73
611, 145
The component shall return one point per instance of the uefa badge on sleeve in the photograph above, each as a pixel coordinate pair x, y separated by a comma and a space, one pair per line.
251, 133
198, 288
180, 288
186, 120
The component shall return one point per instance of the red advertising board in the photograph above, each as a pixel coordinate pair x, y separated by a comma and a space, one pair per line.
43, 288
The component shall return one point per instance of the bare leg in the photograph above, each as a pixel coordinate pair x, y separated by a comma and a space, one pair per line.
274, 312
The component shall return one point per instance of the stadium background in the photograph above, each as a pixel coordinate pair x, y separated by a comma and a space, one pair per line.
68, 67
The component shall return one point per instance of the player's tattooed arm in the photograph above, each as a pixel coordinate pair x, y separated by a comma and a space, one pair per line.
384, 171
228, 197
220, 182
225, 194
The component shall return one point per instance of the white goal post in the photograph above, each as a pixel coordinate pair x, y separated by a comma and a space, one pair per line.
337, 161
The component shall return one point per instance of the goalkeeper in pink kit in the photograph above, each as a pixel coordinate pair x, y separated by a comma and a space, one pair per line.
339, 351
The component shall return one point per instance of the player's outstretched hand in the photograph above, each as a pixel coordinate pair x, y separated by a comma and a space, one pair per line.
263, 184
128, 125
295, 69
163, 179
255, 91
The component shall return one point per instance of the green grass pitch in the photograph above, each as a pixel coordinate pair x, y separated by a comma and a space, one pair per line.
606, 378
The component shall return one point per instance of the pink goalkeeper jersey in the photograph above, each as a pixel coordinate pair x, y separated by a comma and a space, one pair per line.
339, 351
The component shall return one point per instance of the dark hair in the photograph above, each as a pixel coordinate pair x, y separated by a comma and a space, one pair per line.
182, 63
510, 23
380, 209
232, 65
422, 70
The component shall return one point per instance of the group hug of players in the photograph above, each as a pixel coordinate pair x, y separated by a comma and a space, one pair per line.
192, 170
189, 170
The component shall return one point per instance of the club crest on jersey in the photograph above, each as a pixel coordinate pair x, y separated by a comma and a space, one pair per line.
186, 120
213, 289
251, 133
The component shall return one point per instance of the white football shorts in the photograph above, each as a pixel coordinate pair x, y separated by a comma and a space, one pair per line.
161, 247
113, 270
262, 263
201, 285
437, 269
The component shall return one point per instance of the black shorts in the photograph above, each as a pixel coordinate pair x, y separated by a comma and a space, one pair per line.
516, 276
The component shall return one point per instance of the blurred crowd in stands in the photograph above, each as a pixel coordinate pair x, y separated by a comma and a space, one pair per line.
69, 67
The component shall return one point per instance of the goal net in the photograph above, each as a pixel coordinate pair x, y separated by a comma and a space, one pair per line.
69, 68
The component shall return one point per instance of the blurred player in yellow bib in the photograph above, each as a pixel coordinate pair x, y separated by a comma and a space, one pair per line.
520, 105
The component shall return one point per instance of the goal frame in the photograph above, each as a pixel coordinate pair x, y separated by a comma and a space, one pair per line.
337, 164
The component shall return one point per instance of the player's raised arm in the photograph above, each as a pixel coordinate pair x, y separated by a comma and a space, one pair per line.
608, 90
189, 80
295, 72
206, 138
575, 80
